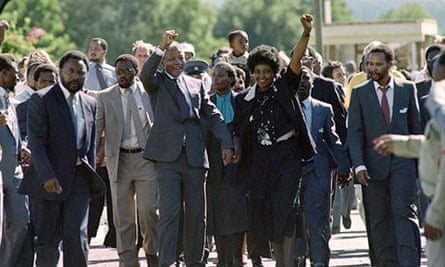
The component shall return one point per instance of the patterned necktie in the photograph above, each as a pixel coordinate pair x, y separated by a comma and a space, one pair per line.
133, 115
100, 77
6, 101
76, 117
385, 106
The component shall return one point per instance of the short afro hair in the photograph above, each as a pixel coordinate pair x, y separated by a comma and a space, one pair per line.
264, 54
73, 54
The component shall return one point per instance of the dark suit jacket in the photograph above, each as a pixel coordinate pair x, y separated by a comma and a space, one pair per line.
53, 144
285, 92
327, 91
366, 123
22, 111
328, 144
425, 115
423, 88
169, 134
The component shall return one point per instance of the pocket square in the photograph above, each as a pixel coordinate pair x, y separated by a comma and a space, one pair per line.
403, 110
321, 130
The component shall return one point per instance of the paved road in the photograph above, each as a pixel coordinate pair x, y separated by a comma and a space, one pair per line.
349, 248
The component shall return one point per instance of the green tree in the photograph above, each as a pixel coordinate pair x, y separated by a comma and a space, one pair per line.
122, 23
408, 11
272, 22
35, 24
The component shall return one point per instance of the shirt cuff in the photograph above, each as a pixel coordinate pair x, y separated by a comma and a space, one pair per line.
360, 168
159, 52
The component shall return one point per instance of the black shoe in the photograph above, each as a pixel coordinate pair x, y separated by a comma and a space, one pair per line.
300, 262
152, 261
110, 240
206, 255
256, 262
346, 221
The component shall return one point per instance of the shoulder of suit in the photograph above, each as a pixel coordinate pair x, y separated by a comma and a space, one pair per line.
48, 90
403, 82
324, 80
106, 90
363, 85
320, 103
87, 97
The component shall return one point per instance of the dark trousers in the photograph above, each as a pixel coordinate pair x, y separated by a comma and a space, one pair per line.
181, 186
65, 221
95, 211
391, 220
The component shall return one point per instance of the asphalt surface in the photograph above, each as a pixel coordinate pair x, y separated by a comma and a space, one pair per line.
348, 248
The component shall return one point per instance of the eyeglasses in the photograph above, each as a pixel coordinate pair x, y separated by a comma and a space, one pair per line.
124, 71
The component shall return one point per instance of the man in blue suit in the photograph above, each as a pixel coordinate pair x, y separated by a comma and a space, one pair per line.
318, 174
385, 105
61, 177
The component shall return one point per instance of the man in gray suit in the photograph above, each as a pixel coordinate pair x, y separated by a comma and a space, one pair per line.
15, 245
126, 131
176, 145
385, 105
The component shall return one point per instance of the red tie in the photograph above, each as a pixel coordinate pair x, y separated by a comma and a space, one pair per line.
385, 106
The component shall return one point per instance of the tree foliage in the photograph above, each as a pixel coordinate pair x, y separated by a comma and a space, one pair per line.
35, 24
406, 12
72, 24
123, 22
272, 22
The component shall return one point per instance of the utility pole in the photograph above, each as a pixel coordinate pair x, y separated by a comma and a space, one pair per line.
318, 16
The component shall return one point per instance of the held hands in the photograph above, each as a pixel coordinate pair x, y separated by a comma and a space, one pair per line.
384, 144
26, 157
344, 180
169, 37
306, 20
52, 186
227, 156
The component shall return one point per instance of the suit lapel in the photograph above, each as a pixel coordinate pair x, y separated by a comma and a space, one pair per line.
374, 104
89, 118
315, 116
116, 105
61, 108
146, 103
397, 102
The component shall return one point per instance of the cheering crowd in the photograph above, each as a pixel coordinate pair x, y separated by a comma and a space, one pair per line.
253, 153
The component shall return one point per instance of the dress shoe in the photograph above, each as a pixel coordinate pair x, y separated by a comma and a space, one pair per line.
300, 261
152, 261
256, 262
346, 221
110, 240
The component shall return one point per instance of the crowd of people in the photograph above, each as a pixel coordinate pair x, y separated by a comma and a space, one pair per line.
254, 153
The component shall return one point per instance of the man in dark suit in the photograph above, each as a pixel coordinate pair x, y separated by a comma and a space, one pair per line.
176, 145
385, 105
61, 178
317, 178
